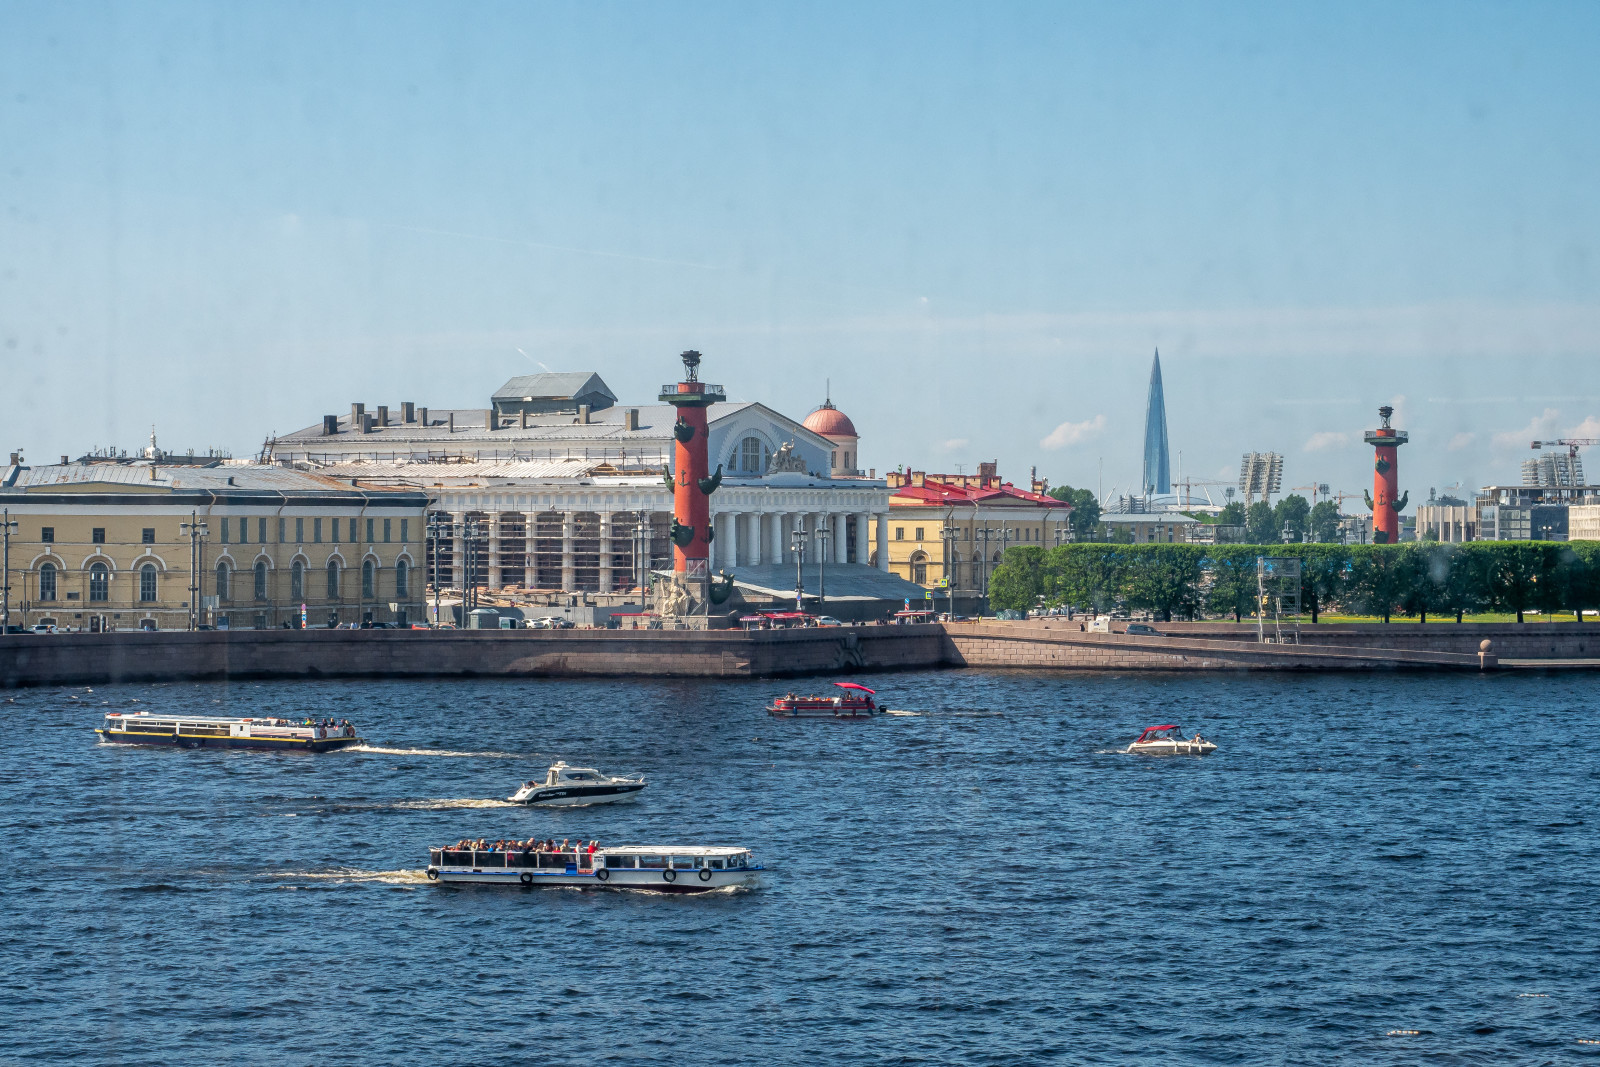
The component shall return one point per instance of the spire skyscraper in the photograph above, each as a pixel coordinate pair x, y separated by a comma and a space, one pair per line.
1157, 462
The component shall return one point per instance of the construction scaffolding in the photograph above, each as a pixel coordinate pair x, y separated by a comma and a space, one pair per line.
1277, 590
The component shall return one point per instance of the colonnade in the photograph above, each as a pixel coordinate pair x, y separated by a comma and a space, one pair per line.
757, 538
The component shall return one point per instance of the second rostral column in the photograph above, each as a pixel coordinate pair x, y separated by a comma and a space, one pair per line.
692, 480
1385, 504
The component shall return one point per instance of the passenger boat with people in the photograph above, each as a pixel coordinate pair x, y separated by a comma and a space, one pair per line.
565, 786
1169, 741
198, 731
532, 864
856, 702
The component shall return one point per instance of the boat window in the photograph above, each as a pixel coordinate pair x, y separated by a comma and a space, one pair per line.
553, 859
491, 859
715, 864
458, 859
654, 863
683, 863
435, 856
578, 777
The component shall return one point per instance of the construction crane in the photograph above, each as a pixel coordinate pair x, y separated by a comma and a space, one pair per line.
1320, 487
1189, 483
1572, 444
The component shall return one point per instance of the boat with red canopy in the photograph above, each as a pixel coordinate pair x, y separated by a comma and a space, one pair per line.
1168, 740
856, 702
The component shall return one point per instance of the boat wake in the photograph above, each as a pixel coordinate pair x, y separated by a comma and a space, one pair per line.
382, 751
897, 711
447, 805
352, 875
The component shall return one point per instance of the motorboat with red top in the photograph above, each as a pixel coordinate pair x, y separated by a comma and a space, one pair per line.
532, 864
856, 702
199, 731
1168, 740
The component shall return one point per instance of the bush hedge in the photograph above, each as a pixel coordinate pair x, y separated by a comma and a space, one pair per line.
1414, 579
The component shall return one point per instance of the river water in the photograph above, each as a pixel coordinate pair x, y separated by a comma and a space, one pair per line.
987, 881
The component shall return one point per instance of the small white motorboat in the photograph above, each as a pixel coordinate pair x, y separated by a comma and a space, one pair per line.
565, 786
1169, 741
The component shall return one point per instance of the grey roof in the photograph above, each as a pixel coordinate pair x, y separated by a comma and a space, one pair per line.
1171, 518
846, 581
228, 479
562, 385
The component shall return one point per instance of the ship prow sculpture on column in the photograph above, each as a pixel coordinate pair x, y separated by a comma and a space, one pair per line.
1386, 505
689, 593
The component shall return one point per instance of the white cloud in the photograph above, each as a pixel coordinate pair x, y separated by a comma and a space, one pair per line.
1589, 427
1319, 442
1074, 433
1540, 428
1460, 441
956, 444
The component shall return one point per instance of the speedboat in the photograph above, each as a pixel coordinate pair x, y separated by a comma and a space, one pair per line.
565, 786
854, 703
1169, 741
663, 868
204, 731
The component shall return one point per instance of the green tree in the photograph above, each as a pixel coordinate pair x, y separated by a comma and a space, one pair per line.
1420, 592
1019, 581
1232, 514
1087, 576
1292, 517
1379, 578
1581, 561
1512, 571
1261, 524
1164, 579
1324, 522
1324, 571
1456, 573
1231, 589
1085, 510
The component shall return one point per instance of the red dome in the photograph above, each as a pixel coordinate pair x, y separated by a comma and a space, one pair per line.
829, 421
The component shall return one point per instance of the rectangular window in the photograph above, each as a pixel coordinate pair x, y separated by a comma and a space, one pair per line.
224, 530
334, 526
369, 531
47, 534
316, 530
919, 533
147, 535
98, 535
386, 523
899, 533
299, 531
244, 531
405, 531
283, 524
352, 531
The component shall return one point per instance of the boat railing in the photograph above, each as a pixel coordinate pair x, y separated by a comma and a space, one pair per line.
518, 859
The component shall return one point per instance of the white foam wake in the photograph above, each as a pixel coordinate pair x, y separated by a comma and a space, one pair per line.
897, 711
381, 750
352, 874
445, 805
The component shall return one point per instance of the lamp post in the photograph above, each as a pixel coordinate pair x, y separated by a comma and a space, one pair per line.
194, 529
947, 534
438, 529
7, 524
797, 543
641, 552
823, 533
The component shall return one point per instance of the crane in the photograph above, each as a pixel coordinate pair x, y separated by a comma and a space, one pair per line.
1320, 487
1189, 483
1572, 444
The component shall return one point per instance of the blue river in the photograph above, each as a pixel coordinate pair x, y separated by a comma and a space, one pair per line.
1371, 869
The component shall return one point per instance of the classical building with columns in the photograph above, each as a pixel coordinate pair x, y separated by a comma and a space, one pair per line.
556, 487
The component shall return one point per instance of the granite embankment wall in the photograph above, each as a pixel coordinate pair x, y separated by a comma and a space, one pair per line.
59, 659
1529, 640
1063, 646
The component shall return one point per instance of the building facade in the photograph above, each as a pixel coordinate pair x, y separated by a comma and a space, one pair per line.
1446, 522
119, 546
1148, 527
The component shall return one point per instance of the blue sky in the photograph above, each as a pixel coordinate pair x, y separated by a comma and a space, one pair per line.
978, 221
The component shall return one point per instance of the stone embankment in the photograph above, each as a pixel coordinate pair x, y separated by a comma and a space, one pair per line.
60, 659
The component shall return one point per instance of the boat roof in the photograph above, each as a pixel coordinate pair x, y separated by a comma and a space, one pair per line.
1169, 726
853, 685
177, 716
671, 850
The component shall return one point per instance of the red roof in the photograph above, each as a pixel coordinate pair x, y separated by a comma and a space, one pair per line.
830, 422
932, 492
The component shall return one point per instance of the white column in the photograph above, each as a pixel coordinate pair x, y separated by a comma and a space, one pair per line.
780, 537
569, 567
732, 559
883, 540
841, 531
494, 549
863, 552
605, 551
755, 539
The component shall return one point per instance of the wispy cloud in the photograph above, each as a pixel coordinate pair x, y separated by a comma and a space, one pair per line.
1540, 427
1321, 442
1460, 441
956, 444
1074, 433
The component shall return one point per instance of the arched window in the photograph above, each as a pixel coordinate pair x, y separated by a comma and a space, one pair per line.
224, 592
261, 580
147, 584
919, 568
751, 458
402, 580
333, 579
369, 581
47, 582
297, 581
99, 583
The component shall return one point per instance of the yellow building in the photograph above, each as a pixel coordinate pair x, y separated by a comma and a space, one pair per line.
973, 519
121, 546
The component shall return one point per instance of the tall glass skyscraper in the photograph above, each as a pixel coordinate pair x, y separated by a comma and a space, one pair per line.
1157, 462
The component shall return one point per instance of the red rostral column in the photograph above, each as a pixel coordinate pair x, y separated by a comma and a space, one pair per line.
1386, 500
692, 484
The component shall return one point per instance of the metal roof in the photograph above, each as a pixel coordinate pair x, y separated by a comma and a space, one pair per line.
240, 478
609, 424
558, 385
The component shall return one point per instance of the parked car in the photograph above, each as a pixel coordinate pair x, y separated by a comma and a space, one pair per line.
1140, 629
43, 628
827, 620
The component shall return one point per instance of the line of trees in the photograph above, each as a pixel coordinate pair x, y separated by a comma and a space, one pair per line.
1416, 579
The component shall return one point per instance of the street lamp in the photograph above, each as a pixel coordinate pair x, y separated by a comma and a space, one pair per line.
195, 530
7, 524
797, 543
823, 533
438, 529
947, 533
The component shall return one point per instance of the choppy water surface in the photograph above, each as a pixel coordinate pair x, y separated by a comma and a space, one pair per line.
987, 882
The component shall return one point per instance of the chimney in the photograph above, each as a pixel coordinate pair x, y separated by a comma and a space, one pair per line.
64, 461
524, 416
408, 411
16, 459
489, 419
422, 416
330, 425
366, 423
452, 422
383, 414
918, 479
230, 479
356, 411
630, 419
583, 414
152, 472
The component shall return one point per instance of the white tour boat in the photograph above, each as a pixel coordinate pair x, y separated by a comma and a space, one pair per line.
565, 786
1169, 741
200, 731
662, 868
